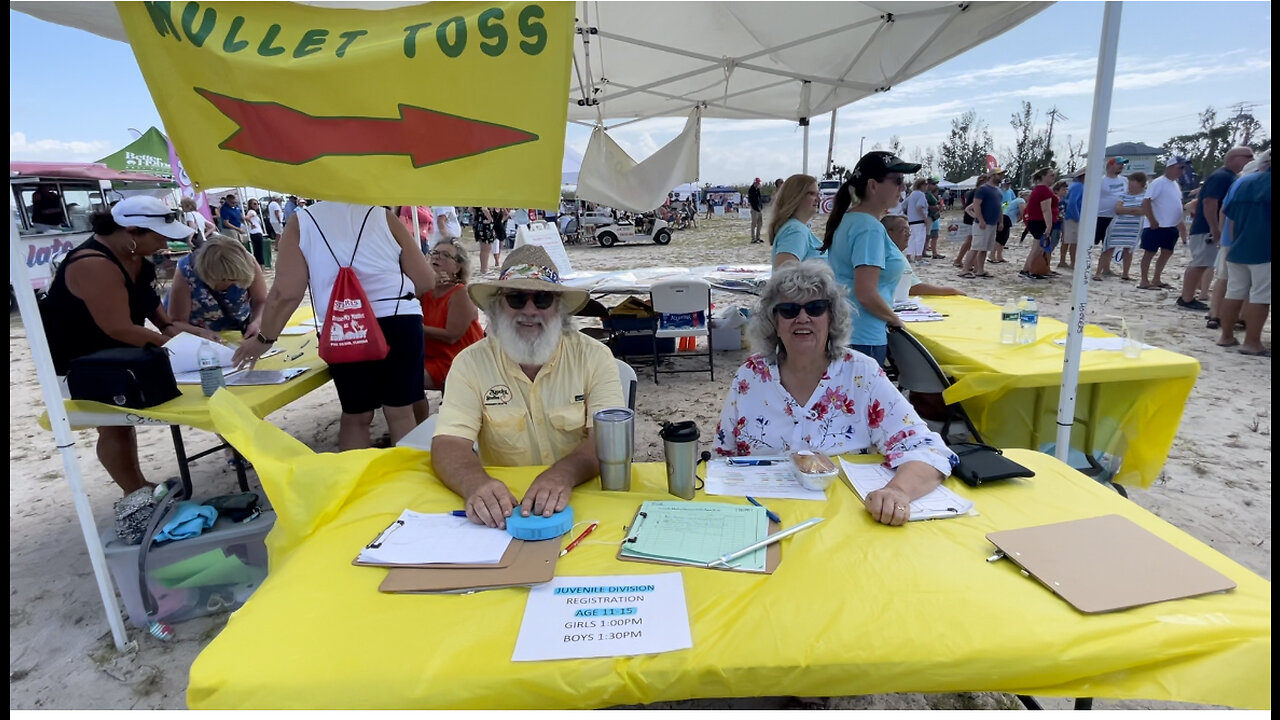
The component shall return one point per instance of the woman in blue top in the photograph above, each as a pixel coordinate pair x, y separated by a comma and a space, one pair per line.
863, 257
220, 288
794, 205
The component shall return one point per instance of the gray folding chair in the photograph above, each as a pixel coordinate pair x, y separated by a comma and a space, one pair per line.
627, 375
920, 374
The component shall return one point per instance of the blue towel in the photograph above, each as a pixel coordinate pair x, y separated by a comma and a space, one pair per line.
189, 520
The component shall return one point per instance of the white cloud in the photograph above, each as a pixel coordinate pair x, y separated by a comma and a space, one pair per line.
21, 148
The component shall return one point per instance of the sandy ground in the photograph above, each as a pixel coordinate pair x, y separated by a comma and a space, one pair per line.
1216, 485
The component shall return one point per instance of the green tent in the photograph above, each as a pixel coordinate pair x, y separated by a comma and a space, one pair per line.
148, 154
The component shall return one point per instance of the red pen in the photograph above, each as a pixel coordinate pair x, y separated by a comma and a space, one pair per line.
590, 529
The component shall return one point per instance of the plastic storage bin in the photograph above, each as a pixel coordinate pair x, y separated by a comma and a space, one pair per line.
214, 572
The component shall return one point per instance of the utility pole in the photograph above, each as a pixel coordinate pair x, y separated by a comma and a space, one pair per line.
1053, 114
860, 142
831, 144
1242, 109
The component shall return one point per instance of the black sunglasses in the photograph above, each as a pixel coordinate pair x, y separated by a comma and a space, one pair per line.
541, 299
169, 217
813, 308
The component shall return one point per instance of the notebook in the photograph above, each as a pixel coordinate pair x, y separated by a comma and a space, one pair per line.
685, 533
1107, 563
866, 478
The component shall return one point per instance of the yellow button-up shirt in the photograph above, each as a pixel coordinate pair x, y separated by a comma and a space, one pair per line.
488, 399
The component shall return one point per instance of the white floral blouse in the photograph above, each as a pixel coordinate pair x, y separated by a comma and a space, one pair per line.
854, 407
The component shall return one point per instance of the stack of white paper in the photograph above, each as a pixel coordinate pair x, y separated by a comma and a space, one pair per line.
775, 480
422, 539
184, 352
941, 503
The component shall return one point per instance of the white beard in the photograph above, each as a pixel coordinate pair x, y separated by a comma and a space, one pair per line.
520, 350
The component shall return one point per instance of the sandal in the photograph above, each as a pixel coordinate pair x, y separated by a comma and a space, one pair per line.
967, 275
1125, 278
984, 275
1259, 353
1163, 286
1097, 278
1234, 342
1214, 324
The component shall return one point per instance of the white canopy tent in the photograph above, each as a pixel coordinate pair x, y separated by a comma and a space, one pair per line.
637, 60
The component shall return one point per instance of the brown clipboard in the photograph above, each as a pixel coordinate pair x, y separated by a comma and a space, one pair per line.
772, 554
1107, 563
534, 563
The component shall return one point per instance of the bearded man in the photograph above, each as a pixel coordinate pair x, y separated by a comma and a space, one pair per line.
525, 394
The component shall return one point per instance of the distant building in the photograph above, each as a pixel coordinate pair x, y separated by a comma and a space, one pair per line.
1141, 157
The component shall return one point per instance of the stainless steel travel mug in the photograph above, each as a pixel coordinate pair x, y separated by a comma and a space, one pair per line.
614, 432
680, 446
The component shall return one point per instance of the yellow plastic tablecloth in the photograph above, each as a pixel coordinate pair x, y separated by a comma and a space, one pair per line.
854, 608
191, 409
1128, 407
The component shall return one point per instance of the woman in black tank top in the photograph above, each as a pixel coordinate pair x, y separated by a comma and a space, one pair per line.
100, 297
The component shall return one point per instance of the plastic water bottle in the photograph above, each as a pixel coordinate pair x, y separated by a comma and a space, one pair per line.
1028, 319
210, 372
1010, 322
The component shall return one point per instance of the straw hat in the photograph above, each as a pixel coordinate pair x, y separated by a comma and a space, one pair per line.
529, 268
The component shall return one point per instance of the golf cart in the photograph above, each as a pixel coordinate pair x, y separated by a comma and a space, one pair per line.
646, 226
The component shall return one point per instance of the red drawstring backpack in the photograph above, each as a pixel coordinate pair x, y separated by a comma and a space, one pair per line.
350, 332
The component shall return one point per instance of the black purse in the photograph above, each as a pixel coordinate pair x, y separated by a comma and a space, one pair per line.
125, 377
981, 463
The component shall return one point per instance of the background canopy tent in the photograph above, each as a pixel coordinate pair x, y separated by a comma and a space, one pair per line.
634, 60
147, 154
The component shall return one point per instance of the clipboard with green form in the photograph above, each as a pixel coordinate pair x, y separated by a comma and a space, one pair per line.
685, 533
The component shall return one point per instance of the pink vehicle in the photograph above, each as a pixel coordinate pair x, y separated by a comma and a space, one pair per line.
52, 202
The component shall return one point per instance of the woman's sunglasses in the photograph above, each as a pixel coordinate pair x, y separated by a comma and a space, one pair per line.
541, 299
813, 308
168, 217
443, 254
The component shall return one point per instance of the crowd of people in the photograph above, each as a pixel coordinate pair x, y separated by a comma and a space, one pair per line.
524, 393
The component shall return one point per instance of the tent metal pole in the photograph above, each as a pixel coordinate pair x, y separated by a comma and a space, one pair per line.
1103, 87
804, 168
417, 228
62, 435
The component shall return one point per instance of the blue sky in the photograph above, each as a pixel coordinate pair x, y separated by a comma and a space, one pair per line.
1175, 58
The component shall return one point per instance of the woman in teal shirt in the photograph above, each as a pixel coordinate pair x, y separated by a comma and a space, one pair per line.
863, 257
794, 205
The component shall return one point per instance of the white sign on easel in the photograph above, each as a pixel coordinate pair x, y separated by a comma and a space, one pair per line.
744, 213
547, 237
612, 616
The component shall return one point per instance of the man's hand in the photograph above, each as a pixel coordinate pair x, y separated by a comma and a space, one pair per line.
248, 353
490, 504
548, 494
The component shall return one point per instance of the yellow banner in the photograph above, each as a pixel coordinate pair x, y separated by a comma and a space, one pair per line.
443, 103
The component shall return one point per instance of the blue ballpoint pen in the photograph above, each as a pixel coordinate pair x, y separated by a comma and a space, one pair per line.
769, 513
458, 513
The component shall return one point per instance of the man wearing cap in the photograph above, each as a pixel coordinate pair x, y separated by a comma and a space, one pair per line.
757, 217
1071, 219
1205, 235
525, 394
1163, 210
101, 297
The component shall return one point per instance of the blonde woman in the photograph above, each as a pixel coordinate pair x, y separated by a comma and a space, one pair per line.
220, 287
450, 321
794, 205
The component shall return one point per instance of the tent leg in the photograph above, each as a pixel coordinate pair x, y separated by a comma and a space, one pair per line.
1103, 86
805, 166
64, 440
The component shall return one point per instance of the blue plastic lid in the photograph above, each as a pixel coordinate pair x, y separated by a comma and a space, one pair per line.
537, 527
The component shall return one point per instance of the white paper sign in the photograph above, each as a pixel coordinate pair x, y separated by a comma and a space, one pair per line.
545, 236
184, 352
767, 481
612, 616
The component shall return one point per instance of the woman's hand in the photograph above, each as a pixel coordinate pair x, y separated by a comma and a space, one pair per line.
249, 352
253, 328
889, 506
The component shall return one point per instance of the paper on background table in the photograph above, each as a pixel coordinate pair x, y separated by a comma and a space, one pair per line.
941, 503
298, 330
184, 352
1111, 344
697, 533
425, 538
630, 615
762, 481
